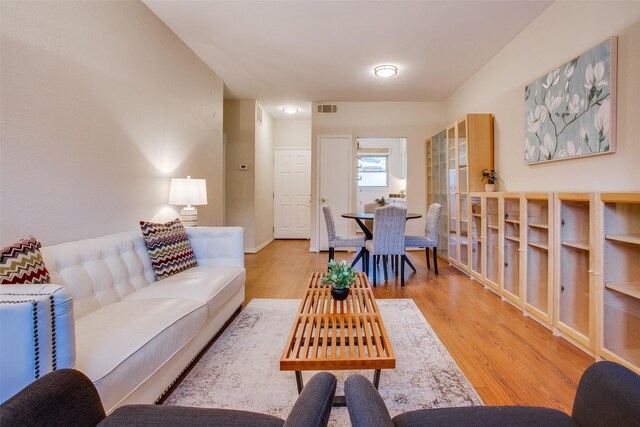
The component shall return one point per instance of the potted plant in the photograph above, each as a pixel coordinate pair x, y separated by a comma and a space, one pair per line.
491, 177
381, 201
340, 276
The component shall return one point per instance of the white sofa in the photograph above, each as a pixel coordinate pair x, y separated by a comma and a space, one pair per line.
133, 335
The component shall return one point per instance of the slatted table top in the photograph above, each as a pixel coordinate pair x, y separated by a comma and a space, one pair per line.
335, 335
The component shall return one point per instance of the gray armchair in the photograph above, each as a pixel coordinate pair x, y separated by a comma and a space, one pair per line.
68, 398
608, 395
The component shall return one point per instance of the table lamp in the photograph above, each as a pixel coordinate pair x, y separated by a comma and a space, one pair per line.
189, 192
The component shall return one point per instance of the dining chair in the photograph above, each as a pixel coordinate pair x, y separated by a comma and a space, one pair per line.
388, 237
370, 208
430, 238
342, 242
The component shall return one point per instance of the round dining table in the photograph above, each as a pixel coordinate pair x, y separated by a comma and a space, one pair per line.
361, 216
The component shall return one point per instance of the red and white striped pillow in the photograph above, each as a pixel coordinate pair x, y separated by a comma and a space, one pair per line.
169, 247
22, 263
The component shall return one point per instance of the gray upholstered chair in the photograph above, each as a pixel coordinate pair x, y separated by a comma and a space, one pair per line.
608, 395
430, 238
370, 208
343, 242
388, 237
66, 397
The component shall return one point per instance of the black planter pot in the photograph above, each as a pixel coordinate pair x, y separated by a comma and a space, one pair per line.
339, 294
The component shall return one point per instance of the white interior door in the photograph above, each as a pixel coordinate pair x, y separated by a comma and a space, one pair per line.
292, 193
334, 184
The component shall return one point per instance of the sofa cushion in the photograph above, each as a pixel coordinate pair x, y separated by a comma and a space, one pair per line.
122, 344
211, 284
100, 271
169, 247
22, 263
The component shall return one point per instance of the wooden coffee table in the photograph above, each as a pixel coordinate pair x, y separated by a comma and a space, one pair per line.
337, 335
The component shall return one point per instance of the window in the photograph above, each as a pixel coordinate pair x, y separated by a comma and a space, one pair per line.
372, 171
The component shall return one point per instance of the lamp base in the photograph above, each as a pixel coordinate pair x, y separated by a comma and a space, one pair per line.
189, 216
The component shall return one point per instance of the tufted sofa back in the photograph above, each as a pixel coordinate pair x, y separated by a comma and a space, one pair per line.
98, 272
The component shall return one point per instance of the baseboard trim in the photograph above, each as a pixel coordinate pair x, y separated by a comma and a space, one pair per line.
258, 248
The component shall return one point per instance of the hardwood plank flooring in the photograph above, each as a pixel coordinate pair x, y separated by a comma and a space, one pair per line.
510, 359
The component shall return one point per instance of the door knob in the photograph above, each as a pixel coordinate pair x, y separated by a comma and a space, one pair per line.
323, 200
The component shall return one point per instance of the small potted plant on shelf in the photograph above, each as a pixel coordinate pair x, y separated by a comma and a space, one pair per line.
491, 177
341, 277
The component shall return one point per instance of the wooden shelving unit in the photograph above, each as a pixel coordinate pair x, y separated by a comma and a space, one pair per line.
619, 294
511, 238
538, 266
574, 314
571, 261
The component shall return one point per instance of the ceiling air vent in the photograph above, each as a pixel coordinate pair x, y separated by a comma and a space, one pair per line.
327, 108
259, 114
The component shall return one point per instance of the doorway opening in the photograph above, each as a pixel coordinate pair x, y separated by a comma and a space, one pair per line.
382, 172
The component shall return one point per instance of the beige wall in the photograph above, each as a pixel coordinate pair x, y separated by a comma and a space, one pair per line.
249, 193
290, 133
562, 32
415, 121
264, 182
239, 126
101, 105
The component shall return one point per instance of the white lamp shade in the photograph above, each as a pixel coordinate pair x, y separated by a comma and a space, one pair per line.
188, 191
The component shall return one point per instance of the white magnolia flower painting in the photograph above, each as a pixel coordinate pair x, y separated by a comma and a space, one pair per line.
570, 112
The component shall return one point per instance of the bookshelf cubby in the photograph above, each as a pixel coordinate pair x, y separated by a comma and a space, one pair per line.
492, 239
574, 281
477, 247
510, 228
539, 256
620, 334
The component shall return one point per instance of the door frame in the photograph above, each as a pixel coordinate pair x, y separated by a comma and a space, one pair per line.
319, 218
274, 179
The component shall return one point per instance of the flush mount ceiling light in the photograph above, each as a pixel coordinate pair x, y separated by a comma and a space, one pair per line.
290, 109
385, 70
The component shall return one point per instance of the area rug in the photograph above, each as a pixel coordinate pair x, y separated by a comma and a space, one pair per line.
241, 369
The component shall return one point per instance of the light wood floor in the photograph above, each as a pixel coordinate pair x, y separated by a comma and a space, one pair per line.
509, 359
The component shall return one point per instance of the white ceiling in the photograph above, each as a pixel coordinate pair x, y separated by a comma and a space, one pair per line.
298, 52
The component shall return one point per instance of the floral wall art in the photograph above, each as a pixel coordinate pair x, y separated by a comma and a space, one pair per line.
570, 112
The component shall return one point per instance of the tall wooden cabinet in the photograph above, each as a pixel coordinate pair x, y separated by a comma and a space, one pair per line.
437, 185
469, 151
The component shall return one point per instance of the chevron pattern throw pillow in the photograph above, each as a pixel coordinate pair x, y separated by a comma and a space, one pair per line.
22, 263
169, 247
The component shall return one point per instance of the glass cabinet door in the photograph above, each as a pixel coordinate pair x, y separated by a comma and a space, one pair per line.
477, 239
453, 194
443, 194
463, 228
